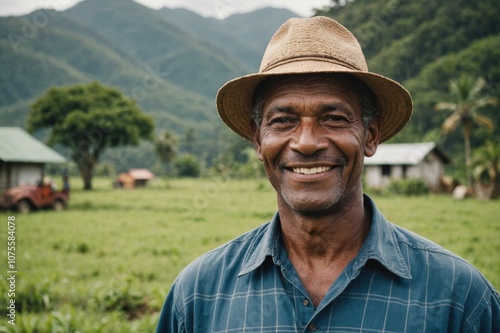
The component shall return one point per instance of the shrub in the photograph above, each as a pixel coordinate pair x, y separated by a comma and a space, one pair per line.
408, 187
122, 298
187, 165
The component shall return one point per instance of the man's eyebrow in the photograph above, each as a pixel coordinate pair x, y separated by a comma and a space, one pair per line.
326, 107
280, 109
336, 106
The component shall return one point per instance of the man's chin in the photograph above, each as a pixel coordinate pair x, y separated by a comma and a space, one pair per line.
309, 207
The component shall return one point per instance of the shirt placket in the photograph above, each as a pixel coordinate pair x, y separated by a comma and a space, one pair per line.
309, 319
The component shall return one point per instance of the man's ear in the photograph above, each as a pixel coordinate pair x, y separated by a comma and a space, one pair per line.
256, 138
372, 139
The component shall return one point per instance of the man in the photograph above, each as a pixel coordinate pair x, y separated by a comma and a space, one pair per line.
328, 261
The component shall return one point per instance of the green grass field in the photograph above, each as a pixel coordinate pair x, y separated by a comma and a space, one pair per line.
106, 263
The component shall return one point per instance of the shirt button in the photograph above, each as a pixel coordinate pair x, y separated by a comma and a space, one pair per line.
311, 327
306, 302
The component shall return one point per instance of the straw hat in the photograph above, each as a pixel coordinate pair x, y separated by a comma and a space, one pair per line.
313, 45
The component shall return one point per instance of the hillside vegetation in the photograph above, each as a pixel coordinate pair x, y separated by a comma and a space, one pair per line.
172, 61
425, 44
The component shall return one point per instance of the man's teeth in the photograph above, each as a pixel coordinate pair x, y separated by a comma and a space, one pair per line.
311, 171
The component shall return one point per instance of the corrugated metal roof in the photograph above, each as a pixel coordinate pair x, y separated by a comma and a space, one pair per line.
16, 145
402, 154
141, 174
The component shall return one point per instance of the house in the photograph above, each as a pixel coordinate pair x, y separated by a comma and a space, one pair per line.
134, 178
22, 158
406, 161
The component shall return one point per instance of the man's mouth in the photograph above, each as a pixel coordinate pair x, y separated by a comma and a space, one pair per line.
312, 171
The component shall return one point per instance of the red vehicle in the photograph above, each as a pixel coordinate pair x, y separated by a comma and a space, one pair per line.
29, 197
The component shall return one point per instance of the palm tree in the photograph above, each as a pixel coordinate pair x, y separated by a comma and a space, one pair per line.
466, 91
189, 140
487, 169
166, 148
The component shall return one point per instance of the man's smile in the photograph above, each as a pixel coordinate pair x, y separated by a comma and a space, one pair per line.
312, 171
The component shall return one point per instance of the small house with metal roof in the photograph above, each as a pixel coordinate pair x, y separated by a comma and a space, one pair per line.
134, 178
22, 158
406, 161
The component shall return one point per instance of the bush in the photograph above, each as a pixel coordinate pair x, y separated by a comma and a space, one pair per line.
408, 187
187, 165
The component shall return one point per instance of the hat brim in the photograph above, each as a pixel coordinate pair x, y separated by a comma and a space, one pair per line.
234, 99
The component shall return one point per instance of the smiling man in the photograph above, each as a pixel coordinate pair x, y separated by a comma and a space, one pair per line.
329, 261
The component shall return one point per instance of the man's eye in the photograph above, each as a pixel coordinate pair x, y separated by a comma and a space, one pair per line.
281, 120
335, 119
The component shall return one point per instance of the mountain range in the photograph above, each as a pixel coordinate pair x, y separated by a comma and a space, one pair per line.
172, 61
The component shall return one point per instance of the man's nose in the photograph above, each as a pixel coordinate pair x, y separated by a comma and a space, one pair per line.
308, 137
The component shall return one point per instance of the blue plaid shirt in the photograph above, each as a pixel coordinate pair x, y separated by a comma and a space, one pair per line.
399, 282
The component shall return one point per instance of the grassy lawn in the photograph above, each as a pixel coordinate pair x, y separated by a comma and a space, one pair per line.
106, 263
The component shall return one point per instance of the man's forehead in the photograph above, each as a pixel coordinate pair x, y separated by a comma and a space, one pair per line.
313, 94
284, 82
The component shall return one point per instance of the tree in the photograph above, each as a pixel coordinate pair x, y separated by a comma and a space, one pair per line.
486, 164
166, 148
187, 165
88, 119
466, 91
189, 140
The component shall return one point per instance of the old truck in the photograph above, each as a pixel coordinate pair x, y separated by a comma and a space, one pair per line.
26, 198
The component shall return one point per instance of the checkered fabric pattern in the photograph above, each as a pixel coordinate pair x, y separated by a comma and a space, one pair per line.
399, 282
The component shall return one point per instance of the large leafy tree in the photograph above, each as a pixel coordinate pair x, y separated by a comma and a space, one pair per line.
467, 93
88, 119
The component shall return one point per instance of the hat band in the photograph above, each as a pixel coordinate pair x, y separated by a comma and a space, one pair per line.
334, 61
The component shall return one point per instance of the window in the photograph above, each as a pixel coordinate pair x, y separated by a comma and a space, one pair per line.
386, 170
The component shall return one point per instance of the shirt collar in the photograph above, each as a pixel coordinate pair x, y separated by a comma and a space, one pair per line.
380, 245
265, 244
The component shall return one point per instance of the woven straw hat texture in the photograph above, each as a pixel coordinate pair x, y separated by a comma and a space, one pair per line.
313, 45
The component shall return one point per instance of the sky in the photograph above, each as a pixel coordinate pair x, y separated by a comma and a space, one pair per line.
213, 8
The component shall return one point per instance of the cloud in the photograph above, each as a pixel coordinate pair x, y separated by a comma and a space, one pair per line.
213, 8
224, 8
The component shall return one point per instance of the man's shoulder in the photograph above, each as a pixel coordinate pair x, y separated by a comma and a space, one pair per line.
430, 260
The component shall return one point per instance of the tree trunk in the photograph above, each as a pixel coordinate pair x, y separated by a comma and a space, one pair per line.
468, 159
87, 172
87, 180
496, 190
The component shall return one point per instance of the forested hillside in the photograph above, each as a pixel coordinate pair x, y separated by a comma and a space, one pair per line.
425, 44
171, 70
172, 61
243, 36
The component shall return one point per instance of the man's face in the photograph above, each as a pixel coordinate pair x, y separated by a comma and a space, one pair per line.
312, 142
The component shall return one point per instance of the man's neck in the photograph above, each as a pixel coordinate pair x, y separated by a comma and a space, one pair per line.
328, 235
321, 246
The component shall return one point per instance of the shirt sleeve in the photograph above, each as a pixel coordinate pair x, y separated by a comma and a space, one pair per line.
170, 319
489, 321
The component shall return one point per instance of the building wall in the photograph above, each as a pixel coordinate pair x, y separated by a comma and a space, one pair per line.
15, 174
430, 170
374, 177
3, 175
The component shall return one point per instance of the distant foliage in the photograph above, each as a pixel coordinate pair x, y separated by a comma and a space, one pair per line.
187, 165
166, 148
407, 187
424, 45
